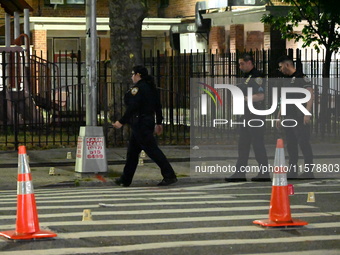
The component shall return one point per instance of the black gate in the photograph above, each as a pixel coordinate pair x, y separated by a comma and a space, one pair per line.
43, 102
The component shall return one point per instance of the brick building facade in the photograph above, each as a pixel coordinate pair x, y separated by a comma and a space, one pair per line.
228, 32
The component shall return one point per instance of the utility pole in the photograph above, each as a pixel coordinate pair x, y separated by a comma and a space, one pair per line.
91, 63
91, 148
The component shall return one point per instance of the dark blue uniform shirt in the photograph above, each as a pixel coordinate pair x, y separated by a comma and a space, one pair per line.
297, 80
252, 79
142, 103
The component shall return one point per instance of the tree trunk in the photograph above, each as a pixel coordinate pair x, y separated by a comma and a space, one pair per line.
324, 111
126, 18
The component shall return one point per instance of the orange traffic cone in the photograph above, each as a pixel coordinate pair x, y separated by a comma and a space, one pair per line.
279, 211
27, 223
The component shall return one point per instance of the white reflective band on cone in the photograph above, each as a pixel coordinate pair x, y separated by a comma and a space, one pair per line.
279, 159
280, 180
25, 188
23, 167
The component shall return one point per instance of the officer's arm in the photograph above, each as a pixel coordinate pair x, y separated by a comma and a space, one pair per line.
279, 114
310, 102
158, 110
159, 115
258, 97
278, 120
309, 106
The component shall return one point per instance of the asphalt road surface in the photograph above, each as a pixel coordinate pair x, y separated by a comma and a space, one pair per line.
187, 218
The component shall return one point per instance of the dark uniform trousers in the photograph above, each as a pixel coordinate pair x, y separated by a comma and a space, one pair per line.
295, 136
142, 138
251, 136
300, 134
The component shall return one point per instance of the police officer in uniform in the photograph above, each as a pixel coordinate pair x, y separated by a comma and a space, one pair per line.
142, 104
300, 134
251, 135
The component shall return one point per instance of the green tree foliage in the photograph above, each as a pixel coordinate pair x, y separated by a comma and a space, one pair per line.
322, 28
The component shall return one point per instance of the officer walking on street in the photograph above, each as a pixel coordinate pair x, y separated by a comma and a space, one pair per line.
251, 135
142, 104
299, 134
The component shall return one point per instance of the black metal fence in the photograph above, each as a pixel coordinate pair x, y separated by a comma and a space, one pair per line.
43, 102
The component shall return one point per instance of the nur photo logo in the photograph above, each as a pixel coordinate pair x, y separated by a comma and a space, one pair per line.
239, 102
204, 97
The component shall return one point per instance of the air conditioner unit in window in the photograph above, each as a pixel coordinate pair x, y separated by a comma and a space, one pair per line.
56, 1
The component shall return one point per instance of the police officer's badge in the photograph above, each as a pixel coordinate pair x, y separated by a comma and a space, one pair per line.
259, 80
134, 91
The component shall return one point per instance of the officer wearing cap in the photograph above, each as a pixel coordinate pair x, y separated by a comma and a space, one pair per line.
300, 134
251, 135
142, 104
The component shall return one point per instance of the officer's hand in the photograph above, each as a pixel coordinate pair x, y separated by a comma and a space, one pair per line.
158, 129
117, 124
306, 120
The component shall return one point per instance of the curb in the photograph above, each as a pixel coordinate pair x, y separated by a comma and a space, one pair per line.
122, 162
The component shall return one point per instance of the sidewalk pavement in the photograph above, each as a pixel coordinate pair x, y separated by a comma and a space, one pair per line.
41, 161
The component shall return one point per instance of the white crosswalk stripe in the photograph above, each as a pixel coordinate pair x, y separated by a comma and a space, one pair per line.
144, 220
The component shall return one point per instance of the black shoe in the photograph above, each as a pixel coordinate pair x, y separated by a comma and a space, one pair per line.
261, 178
236, 177
119, 182
167, 182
